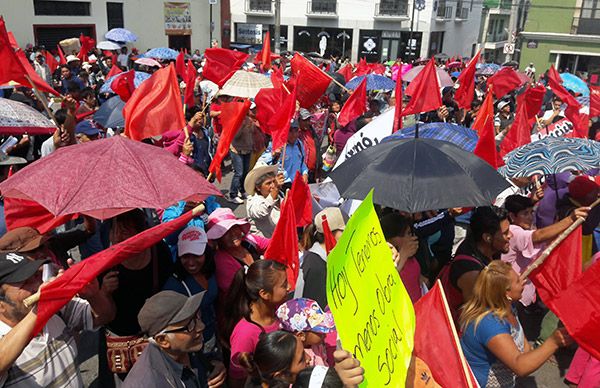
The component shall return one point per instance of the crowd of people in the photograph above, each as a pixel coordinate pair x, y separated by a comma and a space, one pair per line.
206, 308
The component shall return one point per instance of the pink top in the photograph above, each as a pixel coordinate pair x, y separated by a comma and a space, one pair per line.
411, 278
243, 340
521, 253
227, 265
317, 354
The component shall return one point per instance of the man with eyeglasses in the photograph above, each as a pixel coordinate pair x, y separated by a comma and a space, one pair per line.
173, 356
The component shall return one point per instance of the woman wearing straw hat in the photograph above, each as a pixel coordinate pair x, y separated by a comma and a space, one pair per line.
263, 185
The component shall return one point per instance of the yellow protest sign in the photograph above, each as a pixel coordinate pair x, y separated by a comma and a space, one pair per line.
373, 313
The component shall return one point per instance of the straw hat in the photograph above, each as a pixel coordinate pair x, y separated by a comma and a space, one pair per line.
254, 175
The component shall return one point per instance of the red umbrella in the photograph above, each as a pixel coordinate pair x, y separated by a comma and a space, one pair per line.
107, 177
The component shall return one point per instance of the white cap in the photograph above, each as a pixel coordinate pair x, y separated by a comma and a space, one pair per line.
71, 58
192, 240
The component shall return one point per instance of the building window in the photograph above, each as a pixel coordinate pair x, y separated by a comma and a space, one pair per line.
61, 8
590, 10
114, 15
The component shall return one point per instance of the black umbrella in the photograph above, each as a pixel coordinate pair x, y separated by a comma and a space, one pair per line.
110, 114
419, 174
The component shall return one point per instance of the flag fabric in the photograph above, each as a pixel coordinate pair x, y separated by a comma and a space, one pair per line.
114, 70
532, 98
466, 89
486, 110
124, 85
424, 91
265, 53
355, 105
56, 294
519, 133
486, 145
594, 101
232, 117
398, 104
268, 101
301, 199
190, 83
346, 71
311, 82
330, 241
87, 44
37, 81
283, 246
362, 67
180, 65
155, 106
579, 120
221, 64
22, 212
277, 77
436, 341
504, 81
50, 60
376, 68
61, 56
279, 123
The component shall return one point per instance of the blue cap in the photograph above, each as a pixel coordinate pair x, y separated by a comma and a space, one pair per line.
87, 128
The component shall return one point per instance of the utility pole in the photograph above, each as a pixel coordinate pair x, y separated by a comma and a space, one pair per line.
210, 36
277, 25
410, 35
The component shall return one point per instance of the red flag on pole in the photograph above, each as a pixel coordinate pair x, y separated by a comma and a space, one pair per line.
265, 53
362, 67
114, 70
346, 71
221, 64
356, 104
180, 65
22, 212
330, 240
87, 44
123, 85
284, 242
311, 81
232, 114
54, 295
504, 81
190, 84
155, 106
519, 133
398, 104
61, 56
277, 77
579, 120
268, 101
436, 341
486, 145
302, 200
486, 110
532, 98
466, 79
279, 123
594, 101
424, 91
50, 60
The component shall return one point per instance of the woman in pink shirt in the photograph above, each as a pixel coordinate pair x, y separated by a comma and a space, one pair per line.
255, 294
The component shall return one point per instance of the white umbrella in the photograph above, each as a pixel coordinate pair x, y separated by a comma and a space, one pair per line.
246, 84
443, 77
17, 118
108, 45
147, 62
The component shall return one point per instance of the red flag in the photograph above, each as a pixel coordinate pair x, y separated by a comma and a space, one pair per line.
277, 77
61, 56
190, 83
532, 98
232, 116
579, 120
311, 82
268, 101
594, 101
346, 71
571, 295
284, 242
330, 240
123, 85
180, 65
486, 110
279, 123
221, 64
87, 44
54, 295
356, 104
486, 145
425, 91
302, 200
466, 79
504, 81
23, 212
155, 106
362, 68
398, 105
50, 60
436, 341
265, 53
114, 70
519, 133
376, 68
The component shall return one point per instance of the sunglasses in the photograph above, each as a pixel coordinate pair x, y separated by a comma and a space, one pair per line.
190, 327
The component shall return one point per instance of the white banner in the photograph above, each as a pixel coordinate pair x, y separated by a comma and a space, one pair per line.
558, 129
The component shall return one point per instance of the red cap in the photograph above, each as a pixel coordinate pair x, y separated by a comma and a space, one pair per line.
583, 190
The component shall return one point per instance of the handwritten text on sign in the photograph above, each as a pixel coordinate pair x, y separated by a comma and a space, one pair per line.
372, 310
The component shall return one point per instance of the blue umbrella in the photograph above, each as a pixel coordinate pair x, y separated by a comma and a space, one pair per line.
463, 137
455, 74
161, 53
552, 155
140, 77
488, 69
121, 35
574, 83
374, 82
583, 100
110, 114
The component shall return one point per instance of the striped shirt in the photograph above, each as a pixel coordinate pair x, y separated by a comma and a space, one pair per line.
49, 360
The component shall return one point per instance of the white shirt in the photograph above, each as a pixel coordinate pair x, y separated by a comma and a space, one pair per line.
48, 147
123, 60
549, 113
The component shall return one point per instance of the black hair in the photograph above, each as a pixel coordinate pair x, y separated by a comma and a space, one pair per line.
476, 103
310, 235
270, 363
263, 178
61, 116
486, 219
189, 113
208, 268
331, 380
395, 225
135, 217
65, 67
87, 92
516, 203
73, 86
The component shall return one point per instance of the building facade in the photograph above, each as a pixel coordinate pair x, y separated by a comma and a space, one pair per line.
180, 24
564, 33
378, 30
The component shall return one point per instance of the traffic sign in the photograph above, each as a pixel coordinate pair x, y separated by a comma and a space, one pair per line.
509, 48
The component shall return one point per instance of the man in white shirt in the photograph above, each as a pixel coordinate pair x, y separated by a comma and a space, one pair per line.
530, 71
123, 58
555, 114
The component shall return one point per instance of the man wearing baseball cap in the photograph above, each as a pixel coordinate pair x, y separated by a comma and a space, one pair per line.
47, 359
173, 323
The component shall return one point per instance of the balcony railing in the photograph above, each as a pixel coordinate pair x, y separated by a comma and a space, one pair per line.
321, 8
391, 8
462, 13
444, 12
497, 37
259, 7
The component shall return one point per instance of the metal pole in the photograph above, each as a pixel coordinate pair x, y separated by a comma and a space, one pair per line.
410, 35
210, 26
277, 25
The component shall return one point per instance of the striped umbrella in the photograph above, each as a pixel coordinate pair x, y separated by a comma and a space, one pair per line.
552, 155
140, 77
246, 84
463, 137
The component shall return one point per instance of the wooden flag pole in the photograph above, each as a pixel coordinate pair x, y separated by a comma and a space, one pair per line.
43, 100
540, 260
